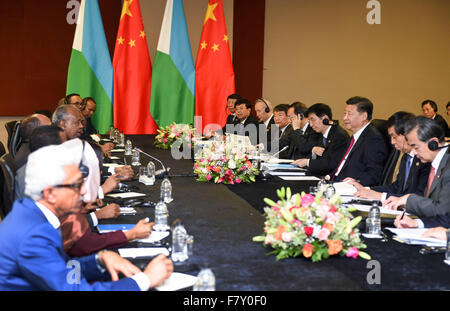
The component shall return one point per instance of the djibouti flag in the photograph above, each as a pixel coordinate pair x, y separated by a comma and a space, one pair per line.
173, 76
90, 68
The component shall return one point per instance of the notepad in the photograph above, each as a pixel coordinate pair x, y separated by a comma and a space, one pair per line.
114, 227
278, 161
155, 236
112, 165
142, 252
177, 281
126, 195
276, 173
127, 211
117, 150
304, 178
414, 237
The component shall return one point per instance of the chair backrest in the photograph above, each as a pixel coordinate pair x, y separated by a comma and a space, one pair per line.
389, 167
8, 168
2, 149
381, 126
14, 139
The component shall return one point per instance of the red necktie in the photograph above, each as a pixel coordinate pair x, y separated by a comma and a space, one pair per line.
430, 179
345, 155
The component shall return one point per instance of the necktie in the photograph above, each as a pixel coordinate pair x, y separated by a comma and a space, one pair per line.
324, 139
430, 179
241, 129
344, 157
407, 169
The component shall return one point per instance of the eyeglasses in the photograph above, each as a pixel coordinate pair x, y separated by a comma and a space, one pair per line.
76, 186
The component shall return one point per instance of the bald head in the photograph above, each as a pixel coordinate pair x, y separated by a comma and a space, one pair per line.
32, 122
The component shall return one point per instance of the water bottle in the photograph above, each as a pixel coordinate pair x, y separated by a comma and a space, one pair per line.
151, 172
135, 158
121, 142
128, 148
321, 185
116, 136
373, 221
206, 281
330, 191
111, 132
161, 217
179, 245
166, 191
447, 251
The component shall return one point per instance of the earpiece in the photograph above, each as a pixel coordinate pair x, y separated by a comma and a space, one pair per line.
433, 145
267, 110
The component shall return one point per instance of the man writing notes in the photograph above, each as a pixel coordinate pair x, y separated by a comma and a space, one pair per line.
413, 174
32, 256
330, 148
426, 138
367, 152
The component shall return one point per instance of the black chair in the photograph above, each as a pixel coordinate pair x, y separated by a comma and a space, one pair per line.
8, 173
393, 154
14, 140
2, 149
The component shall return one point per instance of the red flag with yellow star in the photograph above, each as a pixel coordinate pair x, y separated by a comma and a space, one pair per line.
214, 70
132, 74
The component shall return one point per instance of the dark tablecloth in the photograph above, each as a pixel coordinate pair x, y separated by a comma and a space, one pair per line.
224, 219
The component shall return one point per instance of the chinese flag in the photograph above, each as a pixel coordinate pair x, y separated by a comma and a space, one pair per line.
214, 80
132, 74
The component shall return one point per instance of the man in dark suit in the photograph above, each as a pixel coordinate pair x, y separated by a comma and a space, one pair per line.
89, 108
328, 150
264, 113
430, 109
32, 255
367, 152
413, 174
231, 100
245, 124
282, 132
303, 138
427, 140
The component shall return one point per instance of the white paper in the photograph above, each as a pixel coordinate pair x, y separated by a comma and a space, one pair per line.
383, 210
344, 188
114, 158
127, 210
117, 150
414, 236
177, 281
299, 178
126, 195
155, 236
142, 252
112, 165
447, 262
371, 236
95, 137
275, 173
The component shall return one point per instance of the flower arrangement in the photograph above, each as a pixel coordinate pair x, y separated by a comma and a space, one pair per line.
224, 163
174, 135
314, 227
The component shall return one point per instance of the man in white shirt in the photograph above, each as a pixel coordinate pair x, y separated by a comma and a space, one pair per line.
426, 138
32, 256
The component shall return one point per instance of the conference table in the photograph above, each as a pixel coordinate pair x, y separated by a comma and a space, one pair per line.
224, 218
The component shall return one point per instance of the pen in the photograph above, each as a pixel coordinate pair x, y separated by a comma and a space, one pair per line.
404, 211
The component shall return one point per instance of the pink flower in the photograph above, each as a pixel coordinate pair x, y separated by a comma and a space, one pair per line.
196, 165
353, 252
286, 237
208, 177
243, 168
307, 200
237, 180
323, 234
165, 140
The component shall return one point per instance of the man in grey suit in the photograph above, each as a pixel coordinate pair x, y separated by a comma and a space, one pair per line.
426, 137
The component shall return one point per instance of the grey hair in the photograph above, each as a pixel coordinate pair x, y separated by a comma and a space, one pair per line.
61, 113
45, 167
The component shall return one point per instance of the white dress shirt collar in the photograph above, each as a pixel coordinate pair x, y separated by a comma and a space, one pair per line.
437, 160
359, 132
51, 218
266, 123
305, 127
327, 132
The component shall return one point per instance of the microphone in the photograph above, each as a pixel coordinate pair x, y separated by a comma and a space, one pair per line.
276, 153
165, 172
